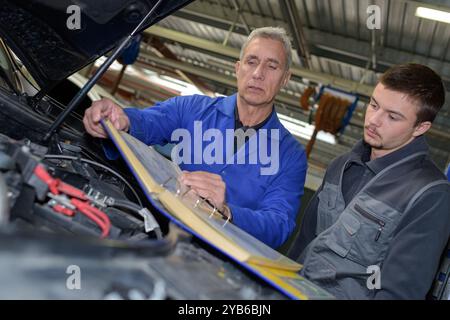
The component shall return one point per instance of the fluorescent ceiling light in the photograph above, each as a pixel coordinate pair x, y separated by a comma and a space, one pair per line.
433, 14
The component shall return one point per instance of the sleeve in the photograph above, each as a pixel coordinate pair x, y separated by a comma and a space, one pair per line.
413, 259
274, 219
308, 228
154, 125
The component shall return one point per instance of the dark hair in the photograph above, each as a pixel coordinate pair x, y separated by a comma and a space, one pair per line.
419, 83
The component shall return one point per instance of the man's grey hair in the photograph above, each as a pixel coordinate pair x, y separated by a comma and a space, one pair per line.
275, 33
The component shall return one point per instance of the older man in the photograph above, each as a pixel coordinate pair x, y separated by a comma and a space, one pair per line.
260, 193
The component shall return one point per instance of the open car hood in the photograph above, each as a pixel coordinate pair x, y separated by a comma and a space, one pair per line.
44, 34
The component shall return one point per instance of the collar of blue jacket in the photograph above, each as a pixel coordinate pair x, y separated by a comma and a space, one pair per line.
228, 105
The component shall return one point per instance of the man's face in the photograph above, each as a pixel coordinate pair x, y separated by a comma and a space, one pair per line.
390, 120
262, 71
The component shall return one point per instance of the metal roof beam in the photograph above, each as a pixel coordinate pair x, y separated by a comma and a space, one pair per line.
164, 51
355, 52
210, 20
291, 11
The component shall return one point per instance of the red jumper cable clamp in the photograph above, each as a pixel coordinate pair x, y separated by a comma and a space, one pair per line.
66, 199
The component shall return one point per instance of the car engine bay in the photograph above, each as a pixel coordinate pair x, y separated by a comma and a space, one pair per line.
61, 207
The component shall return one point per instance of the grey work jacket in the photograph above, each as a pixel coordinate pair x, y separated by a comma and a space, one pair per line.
351, 241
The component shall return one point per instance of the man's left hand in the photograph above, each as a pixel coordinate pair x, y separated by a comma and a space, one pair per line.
207, 185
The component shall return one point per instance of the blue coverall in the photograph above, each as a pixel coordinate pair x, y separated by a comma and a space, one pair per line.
265, 206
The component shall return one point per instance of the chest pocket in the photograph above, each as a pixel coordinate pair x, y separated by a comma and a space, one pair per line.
330, 206
361, 233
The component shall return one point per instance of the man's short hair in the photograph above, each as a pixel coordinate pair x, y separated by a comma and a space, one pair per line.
421, 84
275, 33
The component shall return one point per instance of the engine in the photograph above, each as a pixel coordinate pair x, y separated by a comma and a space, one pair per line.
62, 211
68, 193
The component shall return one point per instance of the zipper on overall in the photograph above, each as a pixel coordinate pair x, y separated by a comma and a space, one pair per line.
369, 216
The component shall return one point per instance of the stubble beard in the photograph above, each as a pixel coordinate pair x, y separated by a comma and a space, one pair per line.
373, 143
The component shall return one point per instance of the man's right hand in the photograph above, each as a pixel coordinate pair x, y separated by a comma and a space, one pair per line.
104, 109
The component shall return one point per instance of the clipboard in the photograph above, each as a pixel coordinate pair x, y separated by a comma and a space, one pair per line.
158, 178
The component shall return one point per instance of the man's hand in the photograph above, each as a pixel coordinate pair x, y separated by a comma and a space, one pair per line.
207, 185
104, 109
